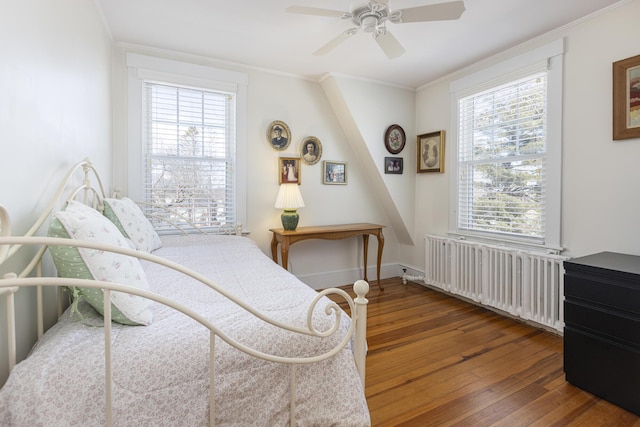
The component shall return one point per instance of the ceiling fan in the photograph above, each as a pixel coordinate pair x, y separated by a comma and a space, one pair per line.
372, 17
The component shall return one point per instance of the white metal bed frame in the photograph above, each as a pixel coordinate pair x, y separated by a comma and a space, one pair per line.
11, 283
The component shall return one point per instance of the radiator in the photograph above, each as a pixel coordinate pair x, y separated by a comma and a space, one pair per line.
525, 284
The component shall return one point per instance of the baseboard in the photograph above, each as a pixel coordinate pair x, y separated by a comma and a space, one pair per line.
334, 278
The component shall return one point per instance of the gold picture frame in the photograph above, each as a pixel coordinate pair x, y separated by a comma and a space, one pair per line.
334, 173
279, 135
289, 170
430, 152
626, 98
311, 150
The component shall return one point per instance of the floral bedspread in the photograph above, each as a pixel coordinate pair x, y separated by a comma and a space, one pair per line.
161, 373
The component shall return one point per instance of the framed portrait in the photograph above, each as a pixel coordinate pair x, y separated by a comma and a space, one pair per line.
334, 172
279, 135
310, 150
289, 170
394, 139
393, 165
430, 155
626, 98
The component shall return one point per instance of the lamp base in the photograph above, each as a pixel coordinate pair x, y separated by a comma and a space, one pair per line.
289, 219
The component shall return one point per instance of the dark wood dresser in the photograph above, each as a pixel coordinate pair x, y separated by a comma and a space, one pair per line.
602, 326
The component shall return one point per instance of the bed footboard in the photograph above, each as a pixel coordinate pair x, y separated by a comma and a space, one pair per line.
11, 283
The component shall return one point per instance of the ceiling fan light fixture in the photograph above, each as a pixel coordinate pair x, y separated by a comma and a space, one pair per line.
369, 24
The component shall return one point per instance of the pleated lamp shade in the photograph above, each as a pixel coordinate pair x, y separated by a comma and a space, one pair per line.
289, 198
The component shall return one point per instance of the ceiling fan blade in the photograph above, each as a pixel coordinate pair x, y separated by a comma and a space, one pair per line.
317, 11
335, 42
432, 12
389, 44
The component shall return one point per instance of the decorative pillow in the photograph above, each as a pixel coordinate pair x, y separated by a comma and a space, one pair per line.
130, 220
81, 222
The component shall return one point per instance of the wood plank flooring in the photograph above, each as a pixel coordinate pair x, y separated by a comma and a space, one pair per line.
435, 360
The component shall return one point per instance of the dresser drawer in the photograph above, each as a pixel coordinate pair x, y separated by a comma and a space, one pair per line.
606, 369
614, 326
610, 294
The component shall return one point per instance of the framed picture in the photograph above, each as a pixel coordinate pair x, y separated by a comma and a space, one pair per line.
334, 172
430, 153
279, 135
289, 170
311, 150
394, 139
393, 165
626, 98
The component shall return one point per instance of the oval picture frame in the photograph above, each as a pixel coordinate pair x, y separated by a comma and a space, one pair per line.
394, 139
278, 135
316, 152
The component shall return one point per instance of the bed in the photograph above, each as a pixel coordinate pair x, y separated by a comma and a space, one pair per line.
189, 329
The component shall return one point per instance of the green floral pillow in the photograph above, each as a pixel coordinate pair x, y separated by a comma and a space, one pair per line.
81, 222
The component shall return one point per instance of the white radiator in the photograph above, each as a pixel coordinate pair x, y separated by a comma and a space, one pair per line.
526, 284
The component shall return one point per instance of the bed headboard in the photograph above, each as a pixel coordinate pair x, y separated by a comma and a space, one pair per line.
90, 192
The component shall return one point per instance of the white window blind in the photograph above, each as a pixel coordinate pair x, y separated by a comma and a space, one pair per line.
502, 157
189, 153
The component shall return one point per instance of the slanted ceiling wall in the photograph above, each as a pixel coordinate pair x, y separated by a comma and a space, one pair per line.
365, 110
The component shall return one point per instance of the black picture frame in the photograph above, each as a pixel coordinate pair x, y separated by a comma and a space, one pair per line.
393, 165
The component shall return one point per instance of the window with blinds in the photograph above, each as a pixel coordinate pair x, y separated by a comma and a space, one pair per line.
189, 155
502, 157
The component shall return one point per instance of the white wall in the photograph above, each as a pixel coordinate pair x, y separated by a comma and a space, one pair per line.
599, 203
54, 111
303, 105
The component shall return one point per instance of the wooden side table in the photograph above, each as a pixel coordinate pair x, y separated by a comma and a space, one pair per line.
328, 232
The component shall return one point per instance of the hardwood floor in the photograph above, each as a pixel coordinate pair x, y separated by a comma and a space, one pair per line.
435, 360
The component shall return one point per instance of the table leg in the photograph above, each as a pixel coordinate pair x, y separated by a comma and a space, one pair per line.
274, 248
284, 253
380, 247
365, 249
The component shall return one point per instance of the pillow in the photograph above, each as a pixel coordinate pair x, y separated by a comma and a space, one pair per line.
130, 220
81, 222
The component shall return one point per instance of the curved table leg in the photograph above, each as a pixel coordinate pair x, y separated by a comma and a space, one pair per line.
365, 249
380, 247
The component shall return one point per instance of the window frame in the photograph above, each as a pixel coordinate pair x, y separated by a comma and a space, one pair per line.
143, 68
550, 56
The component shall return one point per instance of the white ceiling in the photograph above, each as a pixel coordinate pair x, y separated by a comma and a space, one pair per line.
261, 34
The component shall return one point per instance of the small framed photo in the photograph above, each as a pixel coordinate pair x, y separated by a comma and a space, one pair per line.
279, 135
626, 98
311, 150
430, 153
289, 170
393, 165
334, 172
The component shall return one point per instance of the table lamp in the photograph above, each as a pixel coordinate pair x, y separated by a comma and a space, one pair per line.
289, 198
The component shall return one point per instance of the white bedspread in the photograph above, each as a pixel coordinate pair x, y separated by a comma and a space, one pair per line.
161, 371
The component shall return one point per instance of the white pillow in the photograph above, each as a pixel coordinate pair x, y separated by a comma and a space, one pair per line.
130, 220
81, 222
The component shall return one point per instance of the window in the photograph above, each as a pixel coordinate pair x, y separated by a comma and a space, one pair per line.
186, 154
189, 153
507, 165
